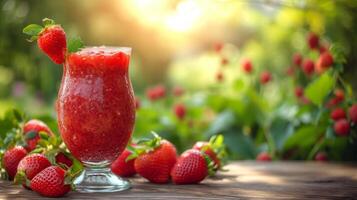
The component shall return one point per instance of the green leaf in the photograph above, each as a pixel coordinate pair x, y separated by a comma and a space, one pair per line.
223, 121
74, 44
48, 22
30, 135
32, 29
330, 134
18, 115
304, 137
320, 88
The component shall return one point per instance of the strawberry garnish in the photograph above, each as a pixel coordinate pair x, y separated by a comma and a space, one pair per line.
51, 39
154, 159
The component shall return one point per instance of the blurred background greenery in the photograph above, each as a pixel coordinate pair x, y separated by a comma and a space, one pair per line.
173, 45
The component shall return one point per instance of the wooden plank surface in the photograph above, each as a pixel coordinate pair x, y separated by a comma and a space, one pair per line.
244, 180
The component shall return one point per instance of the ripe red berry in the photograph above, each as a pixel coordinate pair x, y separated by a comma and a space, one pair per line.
31, 165
324, 62
155, 165
247, 66
123, 168
338, 113
353, 113
342, 127
265, 77
11, 160
31, 132
321, 156
50, 182
299, 91
308, 67
297, 59
313, 40
208, 150
190, 168
156, 92
264, 156
180, 111
52, 41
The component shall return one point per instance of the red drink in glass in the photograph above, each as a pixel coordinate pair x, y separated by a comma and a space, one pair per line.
96, 113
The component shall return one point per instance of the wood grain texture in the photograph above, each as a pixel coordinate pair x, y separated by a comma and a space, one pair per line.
244, 180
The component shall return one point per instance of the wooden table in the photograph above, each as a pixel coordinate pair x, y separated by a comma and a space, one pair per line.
244, 180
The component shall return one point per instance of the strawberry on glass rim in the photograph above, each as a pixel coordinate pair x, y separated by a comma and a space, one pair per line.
95, 105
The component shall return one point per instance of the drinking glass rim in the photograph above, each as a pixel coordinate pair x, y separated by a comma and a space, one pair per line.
126, 50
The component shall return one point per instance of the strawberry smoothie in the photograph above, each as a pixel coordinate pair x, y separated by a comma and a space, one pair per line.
96, 106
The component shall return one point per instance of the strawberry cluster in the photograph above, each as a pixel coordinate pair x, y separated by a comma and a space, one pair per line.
41, 164
156, 160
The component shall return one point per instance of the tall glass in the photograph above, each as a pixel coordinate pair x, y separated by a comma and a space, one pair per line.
96, 113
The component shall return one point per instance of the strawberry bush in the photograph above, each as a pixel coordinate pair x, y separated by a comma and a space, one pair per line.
305, 110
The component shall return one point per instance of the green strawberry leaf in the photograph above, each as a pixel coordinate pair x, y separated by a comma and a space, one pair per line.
48, 22
30, 135
320, 88
32, 29
74, 44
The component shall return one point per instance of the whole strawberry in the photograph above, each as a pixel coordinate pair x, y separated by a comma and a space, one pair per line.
297, 59
51, 39
11, 159
308, 67
264, 156
265, 77
338, 113
313, 40
324, 62
31, 132
180, 111
30, 166
50, 182
247, 66
215, 149
123, 167
191, 167
342, 127
155, 159
353, 113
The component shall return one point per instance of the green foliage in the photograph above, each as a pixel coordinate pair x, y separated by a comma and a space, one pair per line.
318, 90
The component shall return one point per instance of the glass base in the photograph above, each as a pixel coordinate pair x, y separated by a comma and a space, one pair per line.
100, 180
